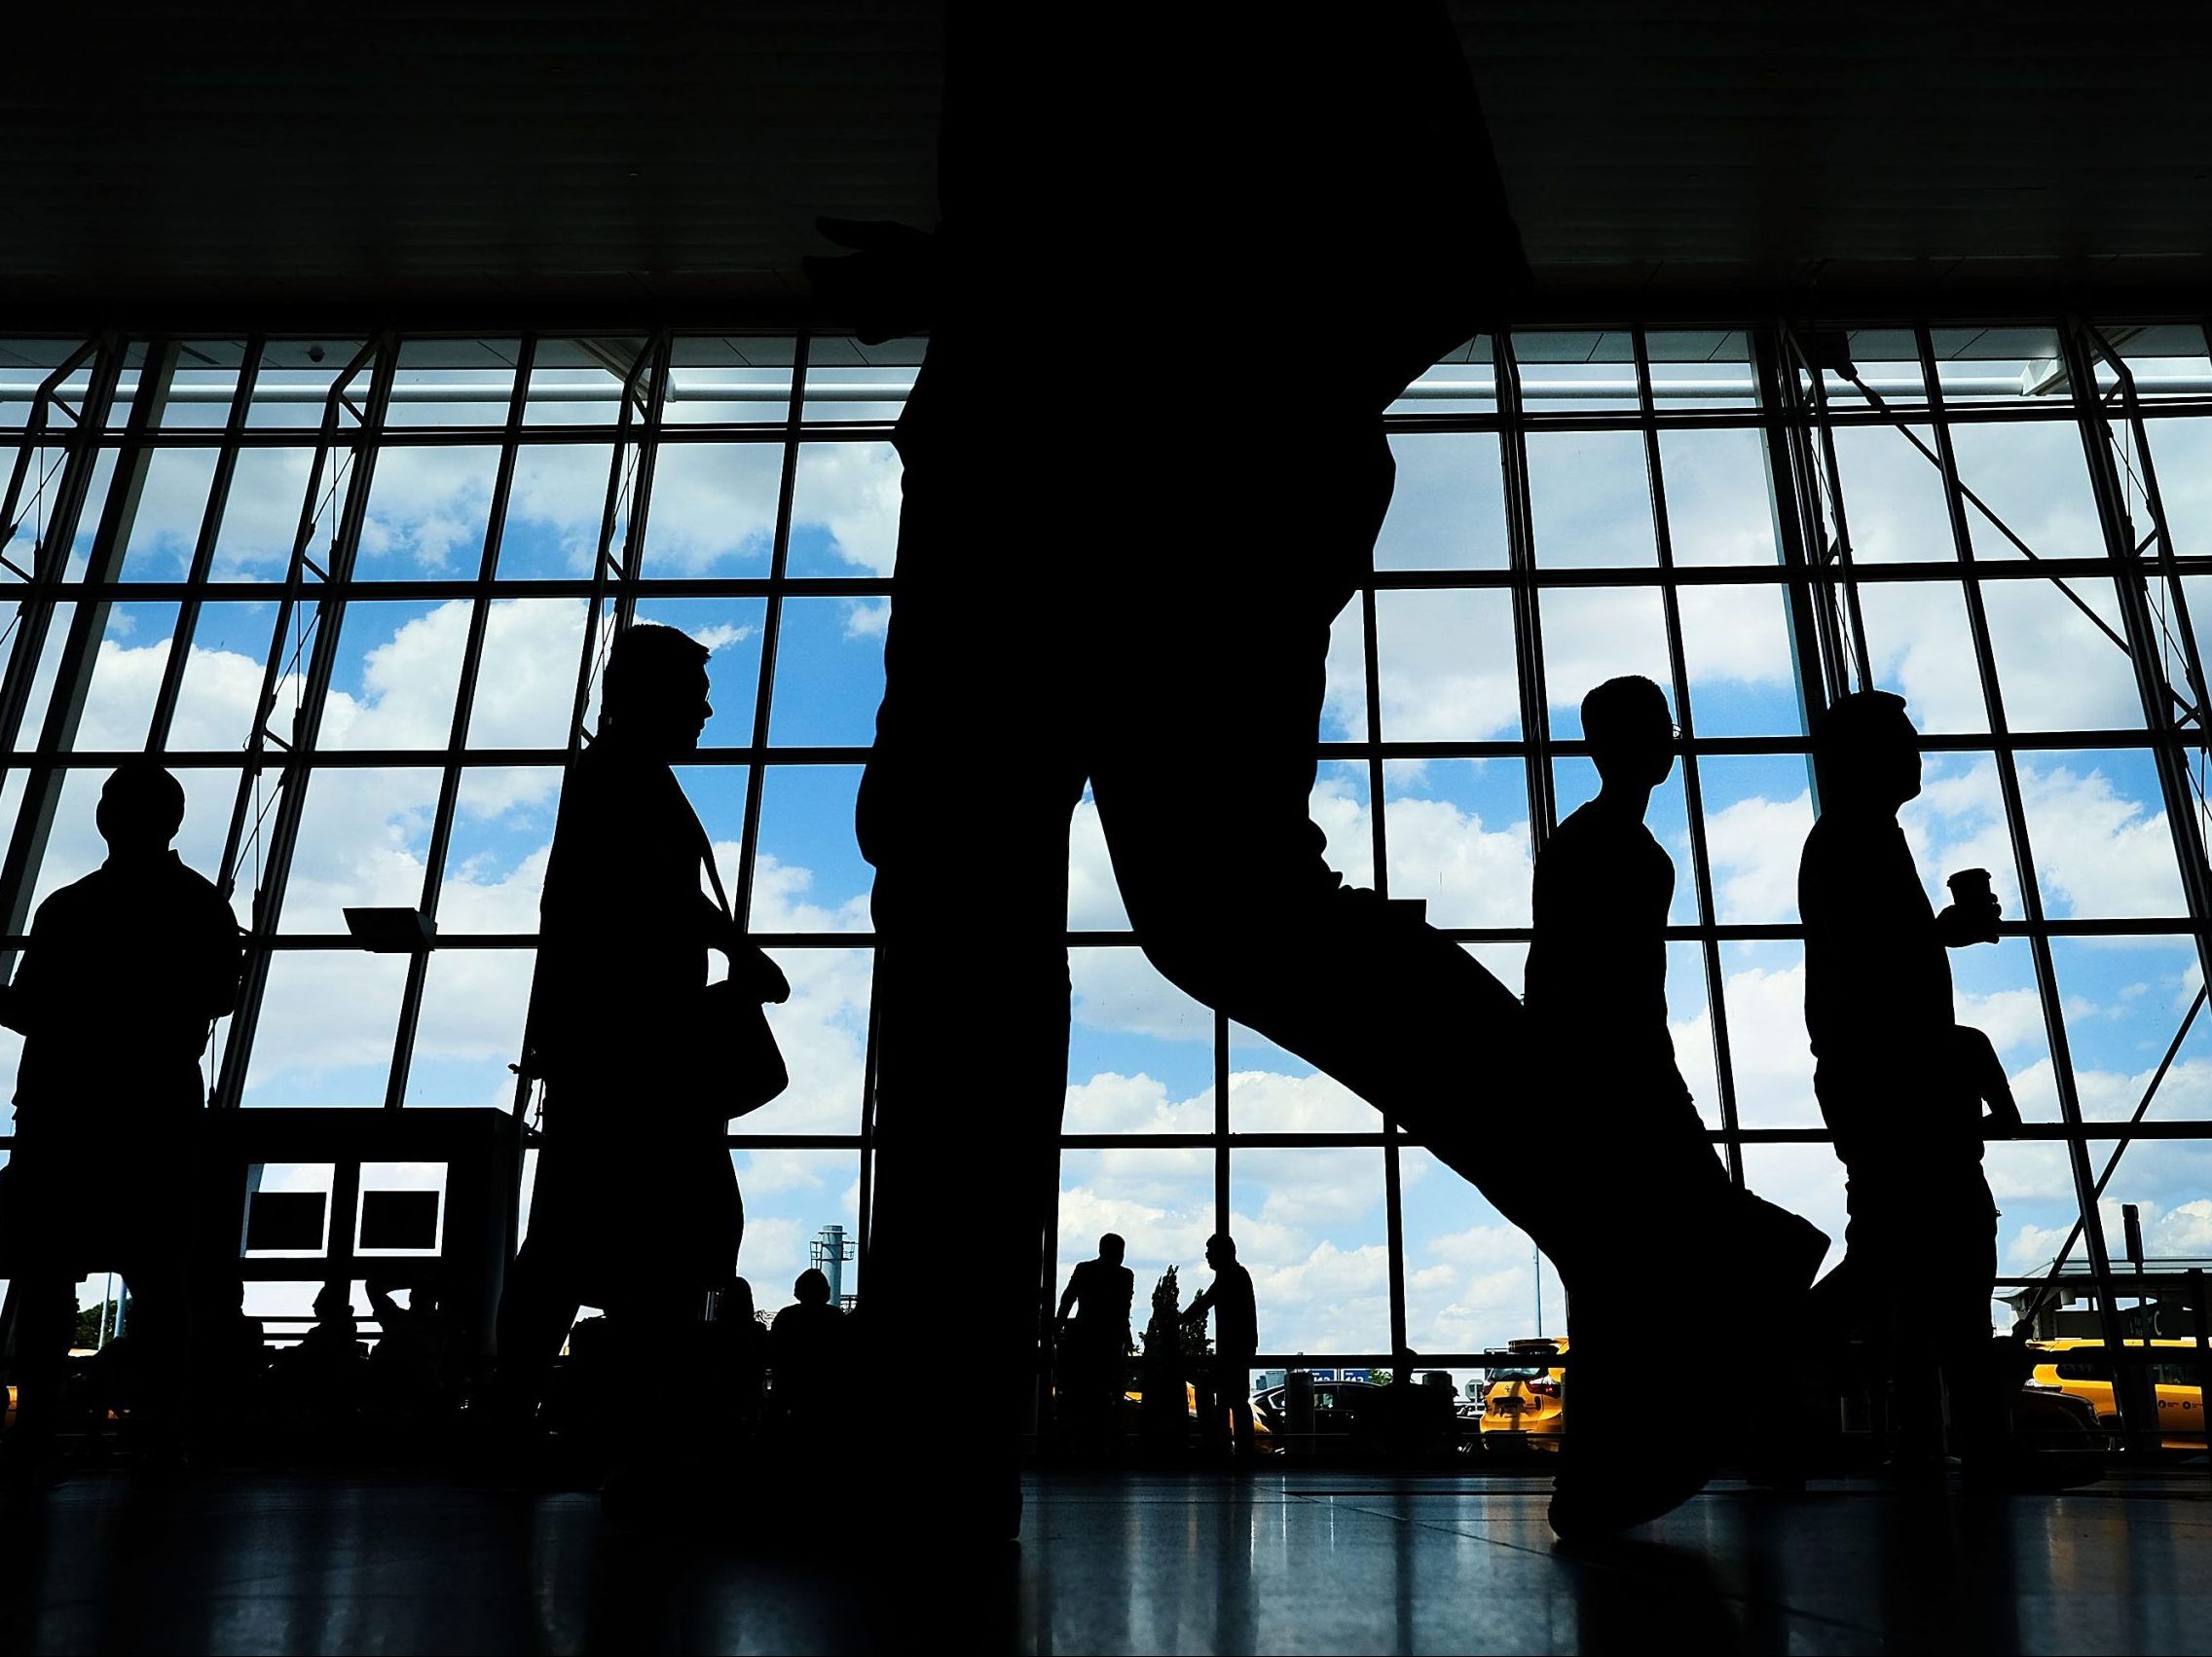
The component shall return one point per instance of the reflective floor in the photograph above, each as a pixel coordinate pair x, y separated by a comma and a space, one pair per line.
1305, 1562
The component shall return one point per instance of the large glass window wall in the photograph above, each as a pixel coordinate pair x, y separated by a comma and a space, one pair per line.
358, 591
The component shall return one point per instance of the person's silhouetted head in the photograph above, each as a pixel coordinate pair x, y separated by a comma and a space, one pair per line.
736, 1303
141, 808
1221, 1250
811, 1288
1866, 752
1111, 1248
655, 691
334, 1303
1631, 732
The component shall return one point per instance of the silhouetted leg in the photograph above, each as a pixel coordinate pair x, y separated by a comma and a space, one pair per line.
1204, 783
970, 853
46, 1316
537, 1308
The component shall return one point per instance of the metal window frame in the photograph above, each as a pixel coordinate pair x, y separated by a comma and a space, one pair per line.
1789, 409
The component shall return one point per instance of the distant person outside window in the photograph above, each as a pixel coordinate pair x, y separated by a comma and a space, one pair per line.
636, 1206
123, 977
1235, 1342
1900, 1083
1092, 1342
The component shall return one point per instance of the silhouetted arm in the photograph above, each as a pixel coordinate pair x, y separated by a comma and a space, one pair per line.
1067, 1298
1985, 1073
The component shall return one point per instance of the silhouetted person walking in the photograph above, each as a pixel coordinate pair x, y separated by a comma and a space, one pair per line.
1597, 998
1177, 575
1900, 1083
121, 982
1235, 1341
737, 1358
1092, 1344
807, 1355
636, 1208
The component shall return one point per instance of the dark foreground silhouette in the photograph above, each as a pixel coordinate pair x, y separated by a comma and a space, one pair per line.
1902, 1084
1173, 578
636, 1208
121, 982
1596, 997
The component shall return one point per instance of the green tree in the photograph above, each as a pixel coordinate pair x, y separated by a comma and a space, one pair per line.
89, 1324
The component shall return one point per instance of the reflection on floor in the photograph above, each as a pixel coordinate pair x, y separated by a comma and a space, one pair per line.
1303, 1563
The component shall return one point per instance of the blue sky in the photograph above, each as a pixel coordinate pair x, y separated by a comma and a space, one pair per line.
1141, 1059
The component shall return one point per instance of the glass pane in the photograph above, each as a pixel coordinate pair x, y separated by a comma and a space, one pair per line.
553, 511
496, 865
1140, 1052
217, 697
1768, 1056
470, 1028
1447, 508
1161, 1205
828, 673
364, 832
1457, 838
1272, 1090
811, 876
296, 380
1344, 699
2029, 478
580, 381
1592, 635
2181, 450
1474, 1280
1892, 495
1095, 897
1572, 369
397, 676
1589, 499
2056, 668
453, 383
1309, 1228
1444, 662
714, 509
2102, 845
526, 680
790, 1197
846, 510
127, 675
1994, 991
847, 381
328, 1021
1701, 368
822, 1031
1807, 1180
262, 513
2124, 1000
428, 509
165, 527
731, 630
1736, 644
1921, 648
1720, 504
729, 378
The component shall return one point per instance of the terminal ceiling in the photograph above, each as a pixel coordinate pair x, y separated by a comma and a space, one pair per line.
671, 157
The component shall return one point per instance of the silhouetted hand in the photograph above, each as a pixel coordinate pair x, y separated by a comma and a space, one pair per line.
1963, 924
886, 287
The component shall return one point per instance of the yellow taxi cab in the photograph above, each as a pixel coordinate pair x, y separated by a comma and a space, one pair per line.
2076, 1368
1525, 1407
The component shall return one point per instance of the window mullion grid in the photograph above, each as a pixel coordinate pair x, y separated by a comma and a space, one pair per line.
196, 582
2023, 857
1393, 1185
1693, 796
1830, 476
603, 559
771, 638
463, 710
283, 837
